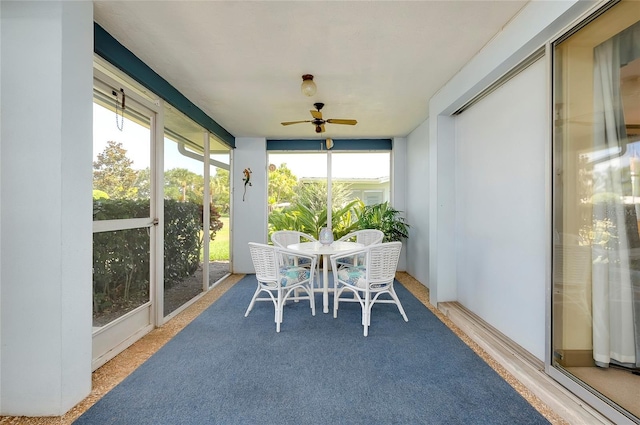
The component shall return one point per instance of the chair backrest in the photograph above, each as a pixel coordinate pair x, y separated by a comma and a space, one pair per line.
265, 262
284, 238
382, 261
365, 236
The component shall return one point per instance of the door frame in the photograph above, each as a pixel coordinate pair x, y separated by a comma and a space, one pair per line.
113, 338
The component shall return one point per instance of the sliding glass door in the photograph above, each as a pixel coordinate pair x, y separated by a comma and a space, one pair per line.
596, 215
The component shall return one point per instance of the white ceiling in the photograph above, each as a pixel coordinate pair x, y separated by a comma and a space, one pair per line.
241, 62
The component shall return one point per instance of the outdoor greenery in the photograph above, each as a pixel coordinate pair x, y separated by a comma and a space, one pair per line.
353, 216
121, 258
282, 185
302, 206
219, 247
384, 218
305, 219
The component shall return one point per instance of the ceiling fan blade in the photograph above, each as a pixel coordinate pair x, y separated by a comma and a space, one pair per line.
339, 121
316, 114
293, 122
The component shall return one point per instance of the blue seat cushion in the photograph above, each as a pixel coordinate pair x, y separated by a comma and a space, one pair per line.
354, 276
290, 275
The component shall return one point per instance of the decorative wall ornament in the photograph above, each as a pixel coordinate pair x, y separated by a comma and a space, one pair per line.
247, 181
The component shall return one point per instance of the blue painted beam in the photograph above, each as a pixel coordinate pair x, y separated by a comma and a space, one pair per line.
110, 49
338, 145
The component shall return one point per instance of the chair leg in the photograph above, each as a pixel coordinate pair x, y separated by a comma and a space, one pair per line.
279, 310
253, 301
312, 299
336, 300
296, 295
366, 312
397, 300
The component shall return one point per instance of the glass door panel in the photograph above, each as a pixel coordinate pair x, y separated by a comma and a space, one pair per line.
121, 273
183, 226
596, 253
219, 258
121, 207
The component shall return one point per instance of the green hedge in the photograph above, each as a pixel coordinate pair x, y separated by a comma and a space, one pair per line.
121, 258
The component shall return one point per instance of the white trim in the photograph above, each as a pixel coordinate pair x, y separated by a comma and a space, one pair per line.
124, 224
156, 283
206, 212
548, 214
107, 81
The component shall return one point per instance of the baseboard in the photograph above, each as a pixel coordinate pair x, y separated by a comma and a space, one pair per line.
522, 365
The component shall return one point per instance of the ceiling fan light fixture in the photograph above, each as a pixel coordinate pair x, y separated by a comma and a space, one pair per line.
308, 87
329, 143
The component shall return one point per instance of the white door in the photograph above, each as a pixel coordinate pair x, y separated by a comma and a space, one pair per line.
124, 222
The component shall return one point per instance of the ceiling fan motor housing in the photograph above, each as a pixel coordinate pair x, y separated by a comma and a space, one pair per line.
319, 122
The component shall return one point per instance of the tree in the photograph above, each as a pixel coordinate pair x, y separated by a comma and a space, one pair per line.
143, 183
112, 172
314, 194
219, 188
282, 184
183, 185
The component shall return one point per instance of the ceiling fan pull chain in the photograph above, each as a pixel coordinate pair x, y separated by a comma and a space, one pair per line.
120, 124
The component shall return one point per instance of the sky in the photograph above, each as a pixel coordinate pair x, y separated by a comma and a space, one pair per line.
343, 165
135, 139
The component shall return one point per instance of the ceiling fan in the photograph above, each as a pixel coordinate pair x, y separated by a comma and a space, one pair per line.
319, 122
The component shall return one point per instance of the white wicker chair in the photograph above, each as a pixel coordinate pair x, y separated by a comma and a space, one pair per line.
369, 280
284, 238
279, 279
366, 237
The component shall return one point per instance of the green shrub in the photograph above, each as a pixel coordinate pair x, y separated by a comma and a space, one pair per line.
385, 218
353, 216
121, 258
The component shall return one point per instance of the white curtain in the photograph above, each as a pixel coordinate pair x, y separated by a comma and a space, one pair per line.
616, 315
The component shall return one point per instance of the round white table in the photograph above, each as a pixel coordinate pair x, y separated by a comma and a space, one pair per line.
325, 250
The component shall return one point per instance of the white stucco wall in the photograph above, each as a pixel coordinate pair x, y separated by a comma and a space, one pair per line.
417, 171
399, 192
250, 214
500, 207
45, 218
536, 24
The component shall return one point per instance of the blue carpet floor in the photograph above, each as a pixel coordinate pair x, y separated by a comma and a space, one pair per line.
224, 368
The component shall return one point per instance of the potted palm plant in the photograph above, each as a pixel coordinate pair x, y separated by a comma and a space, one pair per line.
384, 218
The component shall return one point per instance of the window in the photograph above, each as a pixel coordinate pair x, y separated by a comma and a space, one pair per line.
298, 187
